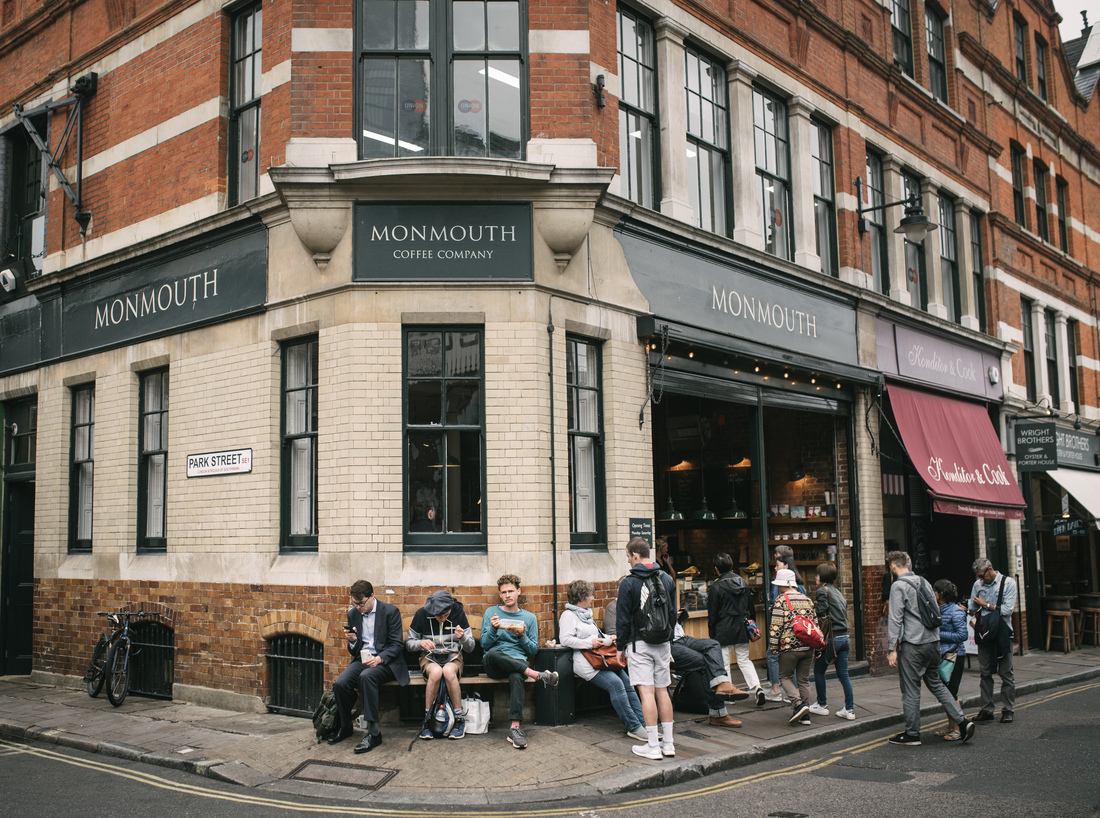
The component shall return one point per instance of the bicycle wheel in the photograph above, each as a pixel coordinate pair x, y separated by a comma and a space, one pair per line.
118, 668
94, 676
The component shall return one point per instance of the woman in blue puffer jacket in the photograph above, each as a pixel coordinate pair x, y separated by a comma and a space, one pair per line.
953, 637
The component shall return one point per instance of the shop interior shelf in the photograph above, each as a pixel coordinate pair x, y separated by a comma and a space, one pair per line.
800, 520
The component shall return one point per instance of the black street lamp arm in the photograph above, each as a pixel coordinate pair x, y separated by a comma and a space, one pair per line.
914, 225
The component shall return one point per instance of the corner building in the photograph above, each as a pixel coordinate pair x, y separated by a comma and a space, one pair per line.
425, 293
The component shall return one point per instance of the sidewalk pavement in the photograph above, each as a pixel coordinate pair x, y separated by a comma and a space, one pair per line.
276, 753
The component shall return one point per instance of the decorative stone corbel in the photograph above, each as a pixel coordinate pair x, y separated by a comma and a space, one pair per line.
320, 226
563, 227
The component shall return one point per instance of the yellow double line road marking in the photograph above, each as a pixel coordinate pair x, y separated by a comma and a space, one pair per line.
268, 802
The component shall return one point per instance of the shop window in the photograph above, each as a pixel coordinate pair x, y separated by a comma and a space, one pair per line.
1071, 356
444, 438
937, 63
916, 282
24, 230
874, 196
244, 116
773, 171
153, 461
152, 660
903, 35
1029, 349
978, 271
441, 78
637, 108
707, 141
82, 469
587, 514
821, 146
1042, 211
1063, 214
299, 450
1019, 29
1017, 159
1041, 67
1050, 336
949, 259
296, 674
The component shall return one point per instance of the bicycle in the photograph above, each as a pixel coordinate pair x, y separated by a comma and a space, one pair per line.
114, 669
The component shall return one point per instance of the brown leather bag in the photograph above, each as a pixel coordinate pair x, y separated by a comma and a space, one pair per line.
605, 657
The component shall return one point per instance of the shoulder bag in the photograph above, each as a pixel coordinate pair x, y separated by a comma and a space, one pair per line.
987, 627
605, 657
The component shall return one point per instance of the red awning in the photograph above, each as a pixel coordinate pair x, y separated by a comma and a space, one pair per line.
957, 453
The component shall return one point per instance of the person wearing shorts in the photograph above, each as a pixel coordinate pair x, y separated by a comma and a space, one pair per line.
647, 664
440, 633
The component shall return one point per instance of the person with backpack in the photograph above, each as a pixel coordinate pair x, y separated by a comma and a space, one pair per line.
784, 558
992, 600
792, 616
832, 608
913, 635
440, 633
729, 604
645, 621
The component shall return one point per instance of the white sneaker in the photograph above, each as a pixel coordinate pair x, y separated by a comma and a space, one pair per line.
653, 753
844, 713
776, 697
638, 734
818, 710
668, 749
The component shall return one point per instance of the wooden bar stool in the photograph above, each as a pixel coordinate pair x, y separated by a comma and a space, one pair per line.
1090, 626
1064, 620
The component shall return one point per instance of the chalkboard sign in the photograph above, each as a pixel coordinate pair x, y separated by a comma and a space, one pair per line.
642, 527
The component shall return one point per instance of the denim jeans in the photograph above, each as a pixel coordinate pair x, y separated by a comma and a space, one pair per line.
623, 696
836, 650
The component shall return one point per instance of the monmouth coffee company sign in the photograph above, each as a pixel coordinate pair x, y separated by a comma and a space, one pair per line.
464, 241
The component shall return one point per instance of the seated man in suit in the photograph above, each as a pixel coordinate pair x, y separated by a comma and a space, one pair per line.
373, 631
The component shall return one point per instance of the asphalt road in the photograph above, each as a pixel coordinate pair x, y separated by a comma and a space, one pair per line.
1045, 764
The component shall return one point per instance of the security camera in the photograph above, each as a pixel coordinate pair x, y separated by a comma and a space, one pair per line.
7, 281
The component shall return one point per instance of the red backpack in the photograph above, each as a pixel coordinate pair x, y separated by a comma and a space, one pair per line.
806, 629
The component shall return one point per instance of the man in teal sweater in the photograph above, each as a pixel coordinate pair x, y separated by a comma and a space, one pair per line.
509, 636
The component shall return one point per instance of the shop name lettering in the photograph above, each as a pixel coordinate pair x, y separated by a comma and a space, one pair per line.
193, 288
934, 363
1072, 447
764, 312
985, 476
454, 233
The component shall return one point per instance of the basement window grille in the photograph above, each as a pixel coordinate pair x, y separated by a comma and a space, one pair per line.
295, 666
152, 660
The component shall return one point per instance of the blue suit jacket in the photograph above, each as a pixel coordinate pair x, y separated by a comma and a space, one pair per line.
388, 643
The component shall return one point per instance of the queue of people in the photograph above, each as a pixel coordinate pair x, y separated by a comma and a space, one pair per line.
642, 640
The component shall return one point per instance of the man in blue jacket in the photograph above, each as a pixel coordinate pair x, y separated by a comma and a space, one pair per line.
373, 631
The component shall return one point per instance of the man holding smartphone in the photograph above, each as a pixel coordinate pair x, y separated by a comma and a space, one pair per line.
373, 631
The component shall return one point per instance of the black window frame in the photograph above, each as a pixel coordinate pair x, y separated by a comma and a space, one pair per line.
937, 54
1040, 179
148, 453
1028, 346
439, 116
949, 258
715, 145
291, 541
1071, 362
632, 108
26, 204
245, 91
823, 164
1041, 68
978, 269
875, 195
432, 533
1016, 157
1019, 29
1062, 192
21, 430
775, 170
1050, 333
901, 23
596, 538
81, 469
913, 251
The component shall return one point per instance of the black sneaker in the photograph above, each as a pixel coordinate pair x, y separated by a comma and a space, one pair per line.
967, 728
798, 714
517, 739
907, 739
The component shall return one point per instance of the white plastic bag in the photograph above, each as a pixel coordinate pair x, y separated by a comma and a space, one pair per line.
477, 714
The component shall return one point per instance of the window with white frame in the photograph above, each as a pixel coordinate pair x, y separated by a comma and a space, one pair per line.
821, 157
82, 469
245, 91
773, 171
637, 108
441, 78
937, 62
949, 259
707, 141
153, 461
874, 196
299, 450
587, 517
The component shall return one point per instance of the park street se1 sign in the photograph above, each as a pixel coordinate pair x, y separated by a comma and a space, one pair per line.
212, 464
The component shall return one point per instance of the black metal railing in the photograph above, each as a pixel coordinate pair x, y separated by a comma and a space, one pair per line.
152, 659
296, 671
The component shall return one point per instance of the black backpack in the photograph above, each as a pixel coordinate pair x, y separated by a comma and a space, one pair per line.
927, 609
325, 715
655, 618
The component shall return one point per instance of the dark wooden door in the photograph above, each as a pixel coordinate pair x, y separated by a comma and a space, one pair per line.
17, 576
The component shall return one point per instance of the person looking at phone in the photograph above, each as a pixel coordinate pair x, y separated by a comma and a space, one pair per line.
440, 634
373, 632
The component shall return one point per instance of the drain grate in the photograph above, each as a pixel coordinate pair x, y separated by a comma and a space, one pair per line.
343, 774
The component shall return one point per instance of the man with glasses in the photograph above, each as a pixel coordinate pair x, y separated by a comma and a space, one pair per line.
373, 631
995, 654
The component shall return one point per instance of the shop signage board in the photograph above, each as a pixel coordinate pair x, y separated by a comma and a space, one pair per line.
642, 527
920, 356
443, 241
1035, 446
1078, 449
212, 464
1068, 525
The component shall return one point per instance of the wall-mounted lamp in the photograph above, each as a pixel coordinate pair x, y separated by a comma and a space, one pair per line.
914, 225
7, 280
601, 97
1077, 423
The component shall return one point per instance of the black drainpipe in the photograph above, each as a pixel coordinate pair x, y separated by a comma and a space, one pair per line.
553, 472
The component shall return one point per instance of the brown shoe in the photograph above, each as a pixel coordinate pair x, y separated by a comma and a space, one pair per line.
1006, 717
727, 690
724, 721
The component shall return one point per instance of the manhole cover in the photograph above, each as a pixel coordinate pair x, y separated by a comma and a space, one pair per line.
345, 775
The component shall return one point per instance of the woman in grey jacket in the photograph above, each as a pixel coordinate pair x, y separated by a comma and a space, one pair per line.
832, 606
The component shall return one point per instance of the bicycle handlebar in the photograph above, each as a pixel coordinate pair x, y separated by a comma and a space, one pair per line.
127, 614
